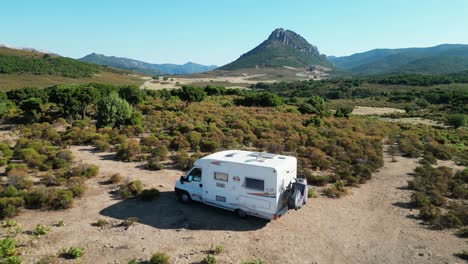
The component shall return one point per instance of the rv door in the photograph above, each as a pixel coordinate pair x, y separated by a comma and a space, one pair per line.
193, 183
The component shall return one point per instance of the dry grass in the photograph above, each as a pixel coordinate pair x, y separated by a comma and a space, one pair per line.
15, 81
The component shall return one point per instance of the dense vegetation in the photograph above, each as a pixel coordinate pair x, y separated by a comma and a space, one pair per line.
46, 65
334, 149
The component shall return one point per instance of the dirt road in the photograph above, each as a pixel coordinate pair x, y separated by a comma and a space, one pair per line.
373, 225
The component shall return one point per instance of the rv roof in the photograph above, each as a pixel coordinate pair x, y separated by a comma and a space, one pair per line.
249, 157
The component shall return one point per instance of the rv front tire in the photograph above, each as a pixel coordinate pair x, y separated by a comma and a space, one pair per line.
184, 197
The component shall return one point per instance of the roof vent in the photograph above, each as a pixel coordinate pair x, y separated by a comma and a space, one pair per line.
230, 155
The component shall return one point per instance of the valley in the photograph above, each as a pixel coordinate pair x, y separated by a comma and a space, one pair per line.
270, 150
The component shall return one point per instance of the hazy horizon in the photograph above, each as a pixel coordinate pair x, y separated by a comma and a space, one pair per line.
213, 33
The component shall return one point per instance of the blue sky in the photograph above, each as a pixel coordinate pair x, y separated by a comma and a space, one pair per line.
217, 32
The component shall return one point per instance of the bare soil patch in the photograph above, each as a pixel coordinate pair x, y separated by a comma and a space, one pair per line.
373, 225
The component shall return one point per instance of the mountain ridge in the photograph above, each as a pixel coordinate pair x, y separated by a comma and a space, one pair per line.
282, 48
145, 67
444, 58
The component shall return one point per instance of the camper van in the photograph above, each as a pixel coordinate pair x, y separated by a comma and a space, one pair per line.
250, 183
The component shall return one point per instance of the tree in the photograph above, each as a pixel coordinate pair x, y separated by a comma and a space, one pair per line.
343, 111
457, 120
191, 94
132, 94
31, 107
112, 111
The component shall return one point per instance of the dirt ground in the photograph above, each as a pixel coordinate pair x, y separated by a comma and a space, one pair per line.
373, 225
367, 110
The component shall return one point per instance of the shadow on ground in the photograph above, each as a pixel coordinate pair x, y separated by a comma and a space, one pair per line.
167, 212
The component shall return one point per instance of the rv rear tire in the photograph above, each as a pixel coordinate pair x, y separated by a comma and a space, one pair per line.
184, 197
241, 213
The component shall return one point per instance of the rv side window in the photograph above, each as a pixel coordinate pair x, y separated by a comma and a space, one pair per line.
254, 184
221, 176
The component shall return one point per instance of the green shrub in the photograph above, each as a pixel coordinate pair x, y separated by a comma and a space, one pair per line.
7, 247
337, 190
10, 206
77, 189
10, 191
217, 249
132, 261
72, 252
317, 180
40, 230
56, 199
448, 220
32, 157
430, 213
457, 120
148, 194
13, 260
131, 221
159, 258
130, 189
160, 152
130, 151
115, 178
209, 259
48, 260
101, 223
419, 199
154, 164
311, 193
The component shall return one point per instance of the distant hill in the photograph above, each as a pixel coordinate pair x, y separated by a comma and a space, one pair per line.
144, 67
446, 58
29, 67
283, 48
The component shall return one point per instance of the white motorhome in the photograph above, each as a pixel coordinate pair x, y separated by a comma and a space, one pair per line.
249, 183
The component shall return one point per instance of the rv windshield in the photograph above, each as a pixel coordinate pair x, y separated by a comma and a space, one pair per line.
194, 175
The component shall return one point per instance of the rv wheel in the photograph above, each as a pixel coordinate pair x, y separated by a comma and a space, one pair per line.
241, 213
185, 197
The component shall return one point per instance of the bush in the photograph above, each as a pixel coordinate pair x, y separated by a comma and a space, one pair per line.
7, 248
257, 261
10, 191
154, 164
131, 189
13, 260
77, 189
56, 199
430, 213
115, 178
317, 179
448, 220
337, 190
72, 252
217, 249
160, 152
10, 206
148, 194
112, 111
129, 151
40, 230
101, 223
457, 120
209, 259
419, 199
131, 221
159, 258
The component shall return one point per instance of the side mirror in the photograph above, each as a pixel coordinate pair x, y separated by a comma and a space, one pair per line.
182, 179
